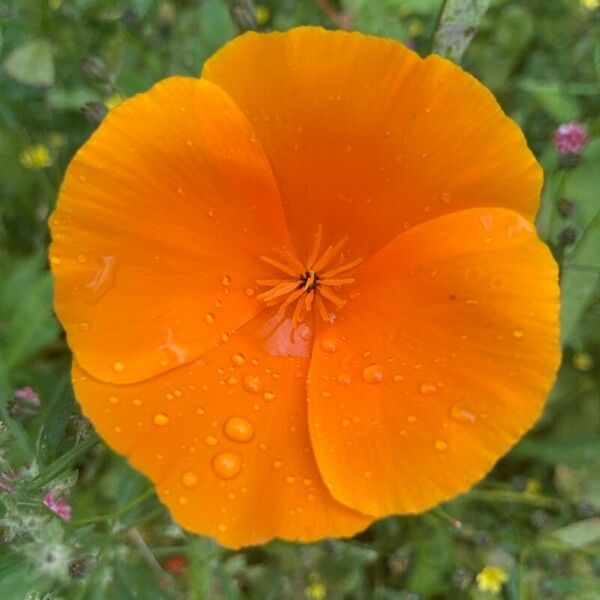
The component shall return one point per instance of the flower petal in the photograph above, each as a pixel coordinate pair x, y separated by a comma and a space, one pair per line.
158, 231
225, 440
438, 365
356, 126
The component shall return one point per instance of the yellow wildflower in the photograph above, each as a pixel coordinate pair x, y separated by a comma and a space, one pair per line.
36, 156
263, 14
583, 361
491, 579
316, 591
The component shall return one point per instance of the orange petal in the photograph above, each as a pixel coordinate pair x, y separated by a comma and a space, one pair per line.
158, 231
367, 139
225, 440
437, 365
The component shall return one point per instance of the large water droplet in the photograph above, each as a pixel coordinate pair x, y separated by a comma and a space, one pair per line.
161, 419
373, 374
103, 280
189, 480
253, 384
239, 429
227, 465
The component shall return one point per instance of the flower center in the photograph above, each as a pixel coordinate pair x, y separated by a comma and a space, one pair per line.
308, 284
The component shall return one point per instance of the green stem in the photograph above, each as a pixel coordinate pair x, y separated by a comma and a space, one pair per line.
118, 513
63, 463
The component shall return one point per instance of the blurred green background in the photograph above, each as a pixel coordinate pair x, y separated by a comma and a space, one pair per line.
530, 530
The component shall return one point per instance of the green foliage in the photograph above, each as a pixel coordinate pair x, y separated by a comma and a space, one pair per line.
536, 515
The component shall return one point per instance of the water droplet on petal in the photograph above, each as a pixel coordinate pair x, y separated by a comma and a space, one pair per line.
269, 396
226, 280
441, 445
427, 389
462, 413
398, 378
238, 360
518, 333
239, 429
227, 465
161, 419
113, 400
118, 366
253, 384
189, 480
211, 440
81, 258
329, 345
344, 379
446, 198
373, 374
209, 318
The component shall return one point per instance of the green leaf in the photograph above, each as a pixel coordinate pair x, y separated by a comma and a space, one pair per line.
580, 534
459, 20
31, 63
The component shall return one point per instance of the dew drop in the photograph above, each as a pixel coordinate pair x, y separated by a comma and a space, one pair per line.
222, 527
411, 419
55, 260
373, 374
398, 378
278, 464
427, 389
118, 366
226, 465
249, 292
210, 440
232, 381
209, 318
239, 429
253, 384
325, 394
226, 280
161, 419
329, 345
518, 333
136, 402
113, 400
446, 198
269, 396
81, 258
189, 480
238, 360
182, 500
440, 445
344, 379
462, 413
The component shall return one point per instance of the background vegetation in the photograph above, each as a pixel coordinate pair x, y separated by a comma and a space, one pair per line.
63, 64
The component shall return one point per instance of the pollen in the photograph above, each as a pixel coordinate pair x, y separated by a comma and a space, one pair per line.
313, 283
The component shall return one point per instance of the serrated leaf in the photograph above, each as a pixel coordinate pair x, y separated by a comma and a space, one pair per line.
458, 24
31, 63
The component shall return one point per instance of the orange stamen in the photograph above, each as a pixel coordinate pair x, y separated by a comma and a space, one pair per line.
307, 286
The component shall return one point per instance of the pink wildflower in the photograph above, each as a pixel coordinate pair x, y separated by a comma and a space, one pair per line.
570, 138
58, 506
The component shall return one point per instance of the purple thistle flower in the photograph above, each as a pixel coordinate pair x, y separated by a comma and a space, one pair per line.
570, 138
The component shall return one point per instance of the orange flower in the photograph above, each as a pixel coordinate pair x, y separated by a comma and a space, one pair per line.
304, 291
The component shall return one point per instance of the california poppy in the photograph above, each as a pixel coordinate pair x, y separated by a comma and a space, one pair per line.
303, 291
